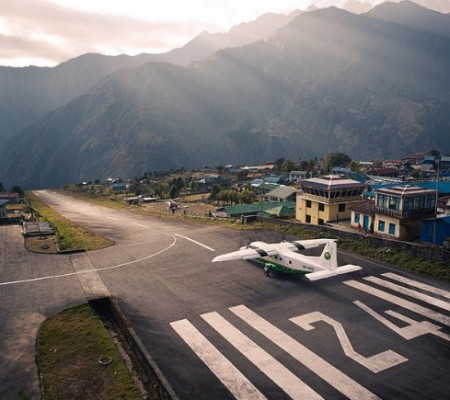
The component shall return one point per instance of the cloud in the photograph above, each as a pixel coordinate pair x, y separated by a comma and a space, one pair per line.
44, 30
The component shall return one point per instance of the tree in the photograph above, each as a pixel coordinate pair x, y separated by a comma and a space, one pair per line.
242, 174
215, 190
287, 166
17, 189
434, 153
278, 163
174, 192
336, 160
247, 197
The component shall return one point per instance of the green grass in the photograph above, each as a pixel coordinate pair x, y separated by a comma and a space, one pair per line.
70, 236
70, 345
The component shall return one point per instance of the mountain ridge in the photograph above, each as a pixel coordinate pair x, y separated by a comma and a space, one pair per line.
328, 81
28, 93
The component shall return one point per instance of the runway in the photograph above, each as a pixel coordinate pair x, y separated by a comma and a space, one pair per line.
225, 331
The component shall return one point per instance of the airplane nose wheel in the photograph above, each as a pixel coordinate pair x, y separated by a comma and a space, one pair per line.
266, 270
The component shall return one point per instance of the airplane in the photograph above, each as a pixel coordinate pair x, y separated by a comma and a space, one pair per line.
284, 257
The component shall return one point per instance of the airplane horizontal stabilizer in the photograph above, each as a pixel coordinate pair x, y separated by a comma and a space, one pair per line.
326, 273
348, 268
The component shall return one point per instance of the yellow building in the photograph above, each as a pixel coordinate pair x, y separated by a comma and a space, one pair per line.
327, 199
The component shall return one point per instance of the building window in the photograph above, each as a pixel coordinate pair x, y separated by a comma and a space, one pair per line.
308, 219
392, 229
342, 207
321, 221
357, 218
381, 226
321, 207
308, 203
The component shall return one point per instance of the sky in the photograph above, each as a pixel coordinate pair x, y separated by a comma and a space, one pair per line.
48, 32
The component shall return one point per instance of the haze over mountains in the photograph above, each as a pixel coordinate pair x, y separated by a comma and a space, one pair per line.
373, 85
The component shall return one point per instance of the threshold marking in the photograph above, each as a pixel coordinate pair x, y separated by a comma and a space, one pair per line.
398, 301
333, 376
194, 241
409, 292
228, 374
271, 367
417, 284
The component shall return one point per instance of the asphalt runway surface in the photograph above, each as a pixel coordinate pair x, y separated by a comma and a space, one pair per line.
224, 331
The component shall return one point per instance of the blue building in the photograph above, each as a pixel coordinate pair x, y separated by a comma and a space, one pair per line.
442, 230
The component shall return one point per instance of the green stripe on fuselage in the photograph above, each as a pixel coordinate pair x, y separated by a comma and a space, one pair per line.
274, 266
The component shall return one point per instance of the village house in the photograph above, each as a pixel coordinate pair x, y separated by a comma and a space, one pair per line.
281, 193
398, 211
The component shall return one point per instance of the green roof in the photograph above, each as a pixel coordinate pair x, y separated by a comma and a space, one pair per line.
256, 208
280, 211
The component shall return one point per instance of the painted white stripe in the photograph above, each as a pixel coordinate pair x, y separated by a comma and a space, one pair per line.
376, 363
412, 330
143, 226
309, 359
417, 284
194, 241
418, 309
43, 278
115, 219
274, 370
228, 374
409, 292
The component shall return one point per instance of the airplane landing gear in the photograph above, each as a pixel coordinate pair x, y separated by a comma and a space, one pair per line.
266, 269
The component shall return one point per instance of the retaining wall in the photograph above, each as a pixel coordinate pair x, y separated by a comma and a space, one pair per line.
149, 373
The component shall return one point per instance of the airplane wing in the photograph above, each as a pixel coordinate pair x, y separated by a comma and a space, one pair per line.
248, 252
308, 244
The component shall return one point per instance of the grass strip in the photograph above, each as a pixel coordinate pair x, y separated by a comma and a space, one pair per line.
78, 359
70, 236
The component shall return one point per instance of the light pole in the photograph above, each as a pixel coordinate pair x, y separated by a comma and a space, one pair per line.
436, 200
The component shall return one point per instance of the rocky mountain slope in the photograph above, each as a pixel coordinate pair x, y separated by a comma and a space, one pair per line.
375, 85
26, 94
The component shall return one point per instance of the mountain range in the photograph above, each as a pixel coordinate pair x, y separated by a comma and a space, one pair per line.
373, 85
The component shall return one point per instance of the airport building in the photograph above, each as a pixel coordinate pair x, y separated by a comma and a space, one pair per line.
327, 199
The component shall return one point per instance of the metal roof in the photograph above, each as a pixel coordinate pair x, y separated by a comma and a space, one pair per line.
255, 208
331, 182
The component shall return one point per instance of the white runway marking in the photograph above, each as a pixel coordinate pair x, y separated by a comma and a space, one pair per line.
418, 309
43, 278
194, 241
228, 374
341, 382
274, 370
409, 292
115, 219
418, 285
376, 363
412, 330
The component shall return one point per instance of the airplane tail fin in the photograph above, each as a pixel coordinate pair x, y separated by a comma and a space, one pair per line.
328, 258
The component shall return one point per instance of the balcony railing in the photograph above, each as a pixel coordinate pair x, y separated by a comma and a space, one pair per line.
419, 213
